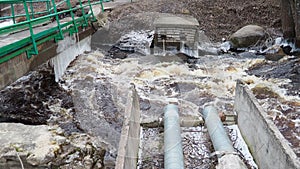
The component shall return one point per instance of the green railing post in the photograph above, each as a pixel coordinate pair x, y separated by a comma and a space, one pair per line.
60, 34
48, 7
102, 7
33, 51
83, 14
13, 12
73, 17
31, 8
92, 12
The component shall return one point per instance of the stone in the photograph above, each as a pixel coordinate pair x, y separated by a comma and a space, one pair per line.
247, 36
230, 161
88, 162
102, 19
274, 53
185, 11
262, 91
31, 143
60, 140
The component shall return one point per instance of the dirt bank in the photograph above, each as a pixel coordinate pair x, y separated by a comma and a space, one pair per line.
218, 18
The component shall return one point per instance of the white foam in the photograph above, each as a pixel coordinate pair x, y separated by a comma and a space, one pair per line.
241, 146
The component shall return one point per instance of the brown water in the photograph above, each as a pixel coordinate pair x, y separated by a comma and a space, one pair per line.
93, 92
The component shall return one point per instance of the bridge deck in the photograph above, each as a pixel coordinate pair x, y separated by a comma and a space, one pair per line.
11, 38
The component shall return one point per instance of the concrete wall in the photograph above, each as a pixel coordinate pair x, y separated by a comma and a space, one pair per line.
130, 136
267, 145
18, 66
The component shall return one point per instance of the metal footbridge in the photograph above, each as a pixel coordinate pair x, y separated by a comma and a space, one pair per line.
34, 22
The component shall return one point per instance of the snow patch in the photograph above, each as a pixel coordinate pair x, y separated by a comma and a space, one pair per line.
240, 145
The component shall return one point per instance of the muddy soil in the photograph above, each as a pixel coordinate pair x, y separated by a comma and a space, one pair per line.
218, 18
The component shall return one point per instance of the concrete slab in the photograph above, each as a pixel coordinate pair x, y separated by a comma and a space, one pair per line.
33, 144
176, 22
14, 37
130, 136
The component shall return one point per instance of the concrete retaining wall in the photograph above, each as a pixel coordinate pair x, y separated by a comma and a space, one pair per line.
267, 145
18, 66
130, 136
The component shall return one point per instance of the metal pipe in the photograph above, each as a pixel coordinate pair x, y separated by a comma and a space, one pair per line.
228, 159
173, 158
216, 130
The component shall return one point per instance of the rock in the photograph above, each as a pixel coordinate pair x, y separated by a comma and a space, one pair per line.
185, 11
60, 140
262, 91
79, 12
251, 54
273, 53
222, 116
247, 36
229, 161
31, 143
102, 19
207, 50
116, 53
88, 162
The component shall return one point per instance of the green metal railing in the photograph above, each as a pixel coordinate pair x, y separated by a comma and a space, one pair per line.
42, 16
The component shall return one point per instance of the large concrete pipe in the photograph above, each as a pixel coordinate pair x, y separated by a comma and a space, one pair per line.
173, 158
221, 142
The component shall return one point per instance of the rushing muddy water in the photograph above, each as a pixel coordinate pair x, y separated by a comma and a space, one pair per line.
93, 92
282, 103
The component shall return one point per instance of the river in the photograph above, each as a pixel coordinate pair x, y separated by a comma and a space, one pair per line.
92, 94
